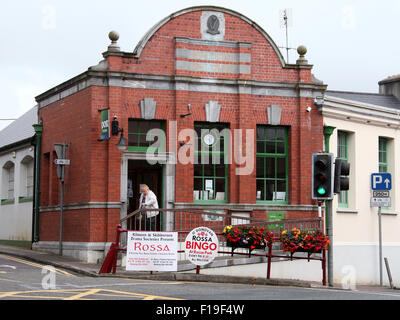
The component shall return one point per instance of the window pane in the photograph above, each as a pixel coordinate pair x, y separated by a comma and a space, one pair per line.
260, 190
260, 147
270, 134
142, 141
270, 147
155, 125
220, 170
220, 189
198, 170
198, 187
343, 197
281, 186
260, 133
208, 170
281, 168
133, 126
270, 168
270, 189
280, 148
280, 134
144, 126
132, 140
280, 194
260, 167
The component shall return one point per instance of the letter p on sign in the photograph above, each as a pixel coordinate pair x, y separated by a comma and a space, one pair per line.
381, 181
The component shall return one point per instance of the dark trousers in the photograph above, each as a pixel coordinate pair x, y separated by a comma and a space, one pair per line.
150, 224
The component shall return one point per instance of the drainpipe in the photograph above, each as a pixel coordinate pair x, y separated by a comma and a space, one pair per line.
328, 213
38, 147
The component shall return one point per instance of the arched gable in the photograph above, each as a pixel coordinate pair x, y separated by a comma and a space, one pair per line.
143, 42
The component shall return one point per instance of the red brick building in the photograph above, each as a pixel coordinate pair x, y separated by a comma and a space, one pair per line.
199, 68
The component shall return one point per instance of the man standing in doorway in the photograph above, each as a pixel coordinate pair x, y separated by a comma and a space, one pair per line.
148, 200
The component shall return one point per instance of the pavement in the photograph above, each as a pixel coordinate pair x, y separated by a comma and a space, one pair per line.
66, 266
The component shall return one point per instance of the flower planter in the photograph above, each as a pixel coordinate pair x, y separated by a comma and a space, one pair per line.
308, 251
248, 237
297, 241
242, 244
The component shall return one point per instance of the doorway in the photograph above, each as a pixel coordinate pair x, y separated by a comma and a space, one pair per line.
141, 172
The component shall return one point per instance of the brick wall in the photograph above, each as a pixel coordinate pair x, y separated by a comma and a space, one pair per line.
94, 174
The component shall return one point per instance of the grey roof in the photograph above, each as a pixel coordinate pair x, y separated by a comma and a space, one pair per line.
377, 99
20, 129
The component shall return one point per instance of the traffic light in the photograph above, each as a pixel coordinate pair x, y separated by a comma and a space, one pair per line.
322, 176
342, 172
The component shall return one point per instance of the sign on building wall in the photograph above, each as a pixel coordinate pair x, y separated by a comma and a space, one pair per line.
105, 125
201, 246
152, 251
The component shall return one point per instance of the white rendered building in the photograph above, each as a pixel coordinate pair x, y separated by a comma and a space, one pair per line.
17, 180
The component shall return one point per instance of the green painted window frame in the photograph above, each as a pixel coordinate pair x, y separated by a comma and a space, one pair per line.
138, 134
199, 153
25, 199
275, 156
343, 154
383, 155
6, 202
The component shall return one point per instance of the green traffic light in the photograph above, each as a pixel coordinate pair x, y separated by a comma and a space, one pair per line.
321, 191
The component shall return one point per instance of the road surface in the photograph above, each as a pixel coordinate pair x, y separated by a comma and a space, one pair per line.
21, 279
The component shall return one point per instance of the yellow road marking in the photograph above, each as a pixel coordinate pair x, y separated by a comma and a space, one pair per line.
80, 294
42, 297
33, 264
83, 294
142, 295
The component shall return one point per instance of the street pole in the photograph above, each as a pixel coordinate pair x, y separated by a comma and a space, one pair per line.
328, 131
380, 247
61, 151
61, 218
320, 213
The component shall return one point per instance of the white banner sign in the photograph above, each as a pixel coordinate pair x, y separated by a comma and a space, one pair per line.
152, 251
201, 246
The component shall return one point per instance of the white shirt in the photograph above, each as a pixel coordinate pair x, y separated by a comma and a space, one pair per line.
151, 202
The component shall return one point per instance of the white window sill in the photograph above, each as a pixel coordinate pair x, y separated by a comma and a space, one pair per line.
346, 210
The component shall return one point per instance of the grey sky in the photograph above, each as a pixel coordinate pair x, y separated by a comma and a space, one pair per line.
353, 44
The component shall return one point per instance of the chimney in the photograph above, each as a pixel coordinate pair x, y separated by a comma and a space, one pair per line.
390, 86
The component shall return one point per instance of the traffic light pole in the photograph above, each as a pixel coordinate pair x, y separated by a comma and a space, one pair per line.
328, 131
329, 233
320, 212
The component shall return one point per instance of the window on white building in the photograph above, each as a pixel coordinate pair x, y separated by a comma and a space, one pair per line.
26, 178
8, 183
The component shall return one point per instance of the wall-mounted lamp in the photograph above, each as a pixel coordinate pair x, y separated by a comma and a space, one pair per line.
319, 101
187, 114
121, 145
115, 130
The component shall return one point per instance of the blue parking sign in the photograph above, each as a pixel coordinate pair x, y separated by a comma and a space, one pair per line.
381, 181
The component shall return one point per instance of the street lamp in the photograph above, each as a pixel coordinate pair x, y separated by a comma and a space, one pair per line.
121, 145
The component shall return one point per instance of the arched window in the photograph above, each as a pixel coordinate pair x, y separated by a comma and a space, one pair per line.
8, 183
26, 178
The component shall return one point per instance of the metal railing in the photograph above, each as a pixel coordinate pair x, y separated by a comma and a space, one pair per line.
183, 221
